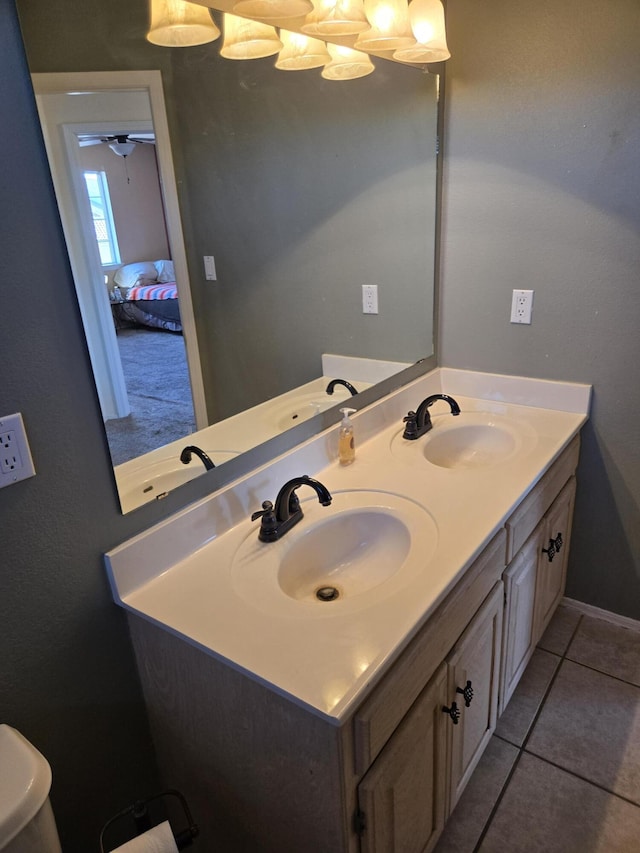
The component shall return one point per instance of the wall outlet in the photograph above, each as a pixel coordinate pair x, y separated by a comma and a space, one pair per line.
369, 298
521, 306
15, 457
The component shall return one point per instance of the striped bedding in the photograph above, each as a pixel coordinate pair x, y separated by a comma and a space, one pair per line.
167, 290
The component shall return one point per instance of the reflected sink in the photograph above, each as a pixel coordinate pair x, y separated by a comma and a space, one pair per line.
154, 481
361, 547
302, 407
470, 440
470, 446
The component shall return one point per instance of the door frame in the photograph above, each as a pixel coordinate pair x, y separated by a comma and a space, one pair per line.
151, 82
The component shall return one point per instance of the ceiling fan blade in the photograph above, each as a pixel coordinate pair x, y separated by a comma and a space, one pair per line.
87, 141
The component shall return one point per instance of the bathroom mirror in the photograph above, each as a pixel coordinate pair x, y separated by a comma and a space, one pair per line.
303, 190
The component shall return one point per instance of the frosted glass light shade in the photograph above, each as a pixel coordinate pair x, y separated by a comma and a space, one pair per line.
246, 39
175, 23
300, 52
427, 24
390, 27
270, 10
122, 149
346, 64
336, 18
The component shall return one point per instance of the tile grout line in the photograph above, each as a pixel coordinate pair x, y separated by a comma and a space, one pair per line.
583, 778
602, 672
522, 748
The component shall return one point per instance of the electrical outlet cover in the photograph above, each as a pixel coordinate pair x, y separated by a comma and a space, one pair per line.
521, 306
15, 457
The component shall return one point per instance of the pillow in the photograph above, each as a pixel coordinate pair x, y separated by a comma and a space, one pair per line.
165, 271
142, 272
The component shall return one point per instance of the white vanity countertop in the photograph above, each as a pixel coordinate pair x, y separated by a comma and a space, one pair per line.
181, 574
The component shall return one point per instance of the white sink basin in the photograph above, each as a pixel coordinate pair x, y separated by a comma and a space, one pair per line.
347, 554
363, 546
470, 446
470, 440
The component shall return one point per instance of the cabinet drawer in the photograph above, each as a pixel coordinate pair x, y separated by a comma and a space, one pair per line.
376, 720
524, 520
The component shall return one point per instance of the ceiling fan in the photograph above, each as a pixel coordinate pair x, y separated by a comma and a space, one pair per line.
121, 143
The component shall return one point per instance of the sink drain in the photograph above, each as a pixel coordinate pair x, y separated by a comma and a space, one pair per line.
327, 593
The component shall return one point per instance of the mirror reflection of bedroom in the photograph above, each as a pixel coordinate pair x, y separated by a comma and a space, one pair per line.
128, 219
111, 200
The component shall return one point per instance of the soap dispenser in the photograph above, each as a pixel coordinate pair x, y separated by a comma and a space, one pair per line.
346, 443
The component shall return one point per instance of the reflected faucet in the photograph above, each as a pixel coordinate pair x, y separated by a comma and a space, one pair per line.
276, 521
331, 386
417, 423
185, 456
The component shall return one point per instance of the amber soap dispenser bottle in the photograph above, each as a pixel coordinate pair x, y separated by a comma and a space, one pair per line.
346, 443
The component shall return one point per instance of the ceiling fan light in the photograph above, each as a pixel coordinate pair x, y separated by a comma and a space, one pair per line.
270, 10
346, 64
300, 52
428, 26
390, 26
122, 149
336, 18
175, 23
246, 39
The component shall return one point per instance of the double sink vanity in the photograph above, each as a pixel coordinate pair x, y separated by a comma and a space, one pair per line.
296, 720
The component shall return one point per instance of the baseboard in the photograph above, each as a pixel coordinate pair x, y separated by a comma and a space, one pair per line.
605, 615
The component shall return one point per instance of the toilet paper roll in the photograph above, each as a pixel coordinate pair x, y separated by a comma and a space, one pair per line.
157, 840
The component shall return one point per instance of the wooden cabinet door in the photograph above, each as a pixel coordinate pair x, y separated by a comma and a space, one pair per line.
402, 797
518, 640
475, 659
553, 556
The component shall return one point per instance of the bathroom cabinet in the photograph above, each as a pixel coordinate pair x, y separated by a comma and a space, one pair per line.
264, 773
535, 577
416, 780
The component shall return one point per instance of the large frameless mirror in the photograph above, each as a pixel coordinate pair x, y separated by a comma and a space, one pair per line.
300, 190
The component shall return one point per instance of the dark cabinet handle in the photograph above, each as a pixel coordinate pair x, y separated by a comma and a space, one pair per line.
467, 693
453, 712
554, 547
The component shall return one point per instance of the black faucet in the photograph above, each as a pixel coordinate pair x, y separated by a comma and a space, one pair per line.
417, 423
185, 456
331, 386
276, 521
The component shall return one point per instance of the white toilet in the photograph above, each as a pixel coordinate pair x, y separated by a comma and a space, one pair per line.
27, 824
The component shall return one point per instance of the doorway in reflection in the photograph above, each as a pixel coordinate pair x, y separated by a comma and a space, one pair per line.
157, 380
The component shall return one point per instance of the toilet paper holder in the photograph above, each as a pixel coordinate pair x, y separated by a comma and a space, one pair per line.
138, 815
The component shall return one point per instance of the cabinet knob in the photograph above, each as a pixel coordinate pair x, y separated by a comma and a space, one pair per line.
453, 712
554, 546
467, 693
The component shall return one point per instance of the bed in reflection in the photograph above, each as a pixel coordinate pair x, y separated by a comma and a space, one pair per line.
145, 294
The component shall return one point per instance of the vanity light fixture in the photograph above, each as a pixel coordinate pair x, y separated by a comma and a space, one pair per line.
390, 26
300, 52
336, 18
346, 64
427, 24
269, 10
247, 39
176, 23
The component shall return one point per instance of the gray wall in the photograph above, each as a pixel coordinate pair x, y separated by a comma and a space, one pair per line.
542, 191
302, 189
67, 677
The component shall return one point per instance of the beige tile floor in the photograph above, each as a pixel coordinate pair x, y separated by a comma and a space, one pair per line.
562, 771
